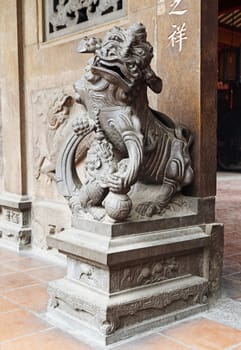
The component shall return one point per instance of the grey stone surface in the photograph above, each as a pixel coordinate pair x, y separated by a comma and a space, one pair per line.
227, 311
125, 314
102, 250
119, 286
183, 211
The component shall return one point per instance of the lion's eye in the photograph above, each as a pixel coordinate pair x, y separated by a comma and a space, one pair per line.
140, 52
116, 38
131, 65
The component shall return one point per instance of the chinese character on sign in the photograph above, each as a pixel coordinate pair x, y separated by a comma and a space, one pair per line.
178, 36
174, 10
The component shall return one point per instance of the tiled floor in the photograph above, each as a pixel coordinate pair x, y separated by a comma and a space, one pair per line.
23, 297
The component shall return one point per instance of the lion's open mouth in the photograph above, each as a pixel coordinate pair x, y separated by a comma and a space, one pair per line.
112, 72
115, 69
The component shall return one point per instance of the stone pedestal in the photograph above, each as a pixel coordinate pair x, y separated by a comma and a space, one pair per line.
15, 222
127, 278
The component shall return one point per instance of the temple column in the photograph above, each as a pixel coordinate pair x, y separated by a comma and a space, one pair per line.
14, 200
187, 63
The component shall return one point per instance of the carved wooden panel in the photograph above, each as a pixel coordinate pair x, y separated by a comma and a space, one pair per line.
69, 16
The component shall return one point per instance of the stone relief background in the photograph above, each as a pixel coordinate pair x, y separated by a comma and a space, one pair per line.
53, 112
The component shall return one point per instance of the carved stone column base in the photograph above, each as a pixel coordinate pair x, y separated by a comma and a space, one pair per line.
109, 319
128, 278
15, 221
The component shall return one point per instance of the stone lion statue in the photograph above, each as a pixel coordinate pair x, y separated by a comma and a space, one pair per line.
132, 141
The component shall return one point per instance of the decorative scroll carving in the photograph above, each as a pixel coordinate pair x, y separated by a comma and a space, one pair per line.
120, 315
71, 14
132, 141
146, 308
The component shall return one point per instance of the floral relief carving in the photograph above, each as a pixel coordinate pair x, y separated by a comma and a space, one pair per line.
147, 273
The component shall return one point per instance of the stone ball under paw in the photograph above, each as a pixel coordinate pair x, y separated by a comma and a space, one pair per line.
118, 206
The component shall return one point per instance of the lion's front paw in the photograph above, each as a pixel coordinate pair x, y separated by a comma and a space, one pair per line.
146, 209
149, 208
115, 183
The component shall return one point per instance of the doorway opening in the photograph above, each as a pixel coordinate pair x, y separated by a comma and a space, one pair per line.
229, 86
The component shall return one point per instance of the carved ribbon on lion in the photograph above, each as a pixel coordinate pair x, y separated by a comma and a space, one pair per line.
132, 142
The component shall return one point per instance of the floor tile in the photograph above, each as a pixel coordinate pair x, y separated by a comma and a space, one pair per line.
6, 254
15, 280
35, 298
233, 248
48, 273
234, 258
231, 268
18, 323
153, 342
27, 264
6, 306
5, 268
237, 277
47, 340
204, 334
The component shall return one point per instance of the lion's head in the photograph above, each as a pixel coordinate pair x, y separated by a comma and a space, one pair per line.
124, 58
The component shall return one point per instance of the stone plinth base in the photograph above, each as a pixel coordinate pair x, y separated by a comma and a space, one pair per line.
128, 278
109, 319
15, 221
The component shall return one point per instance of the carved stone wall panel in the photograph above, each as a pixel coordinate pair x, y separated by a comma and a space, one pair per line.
53, 113
64, 17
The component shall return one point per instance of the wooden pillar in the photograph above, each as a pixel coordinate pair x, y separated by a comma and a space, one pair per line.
187, 63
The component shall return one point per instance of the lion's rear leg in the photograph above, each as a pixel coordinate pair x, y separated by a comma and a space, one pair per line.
150, 208
174, 176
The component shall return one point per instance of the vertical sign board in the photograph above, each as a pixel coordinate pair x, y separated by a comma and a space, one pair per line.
187, 49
